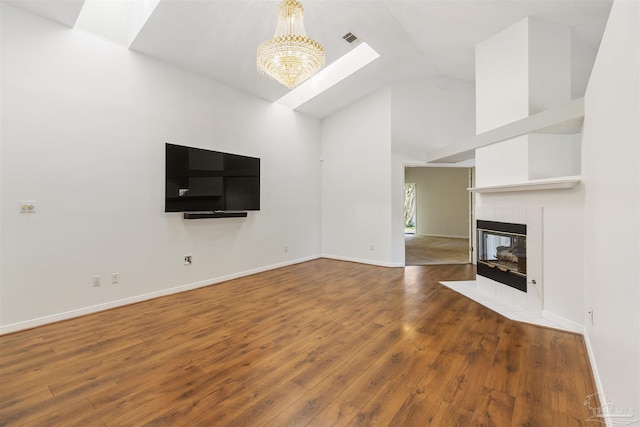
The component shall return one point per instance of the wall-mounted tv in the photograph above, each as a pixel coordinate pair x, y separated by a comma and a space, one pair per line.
198, 180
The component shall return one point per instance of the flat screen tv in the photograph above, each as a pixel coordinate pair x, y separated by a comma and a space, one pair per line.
199, 180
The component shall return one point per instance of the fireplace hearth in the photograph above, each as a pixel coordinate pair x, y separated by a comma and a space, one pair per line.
502, 253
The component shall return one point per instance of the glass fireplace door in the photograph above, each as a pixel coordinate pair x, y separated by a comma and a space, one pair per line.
502, 253
503, 250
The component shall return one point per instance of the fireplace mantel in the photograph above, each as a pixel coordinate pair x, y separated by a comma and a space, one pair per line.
533, 185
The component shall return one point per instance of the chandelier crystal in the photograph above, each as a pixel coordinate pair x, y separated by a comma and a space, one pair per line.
290, 57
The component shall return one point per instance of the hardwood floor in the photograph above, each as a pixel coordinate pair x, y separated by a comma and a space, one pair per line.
432, 250
322, 343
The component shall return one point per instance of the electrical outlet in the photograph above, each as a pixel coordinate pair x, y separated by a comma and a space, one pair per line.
187, 260
115, 278
28, 207
96, 281
371, 247
286, 248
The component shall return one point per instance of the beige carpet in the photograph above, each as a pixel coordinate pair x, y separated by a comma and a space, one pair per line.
428, 250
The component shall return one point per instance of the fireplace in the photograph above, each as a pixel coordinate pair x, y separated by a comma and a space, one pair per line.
502, 253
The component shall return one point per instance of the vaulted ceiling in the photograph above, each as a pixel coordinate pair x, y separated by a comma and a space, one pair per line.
416, 39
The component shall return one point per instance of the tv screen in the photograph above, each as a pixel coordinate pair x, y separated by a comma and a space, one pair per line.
198, 180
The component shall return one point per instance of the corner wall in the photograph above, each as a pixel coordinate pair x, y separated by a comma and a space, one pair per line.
84, 123
356, 181
612, 208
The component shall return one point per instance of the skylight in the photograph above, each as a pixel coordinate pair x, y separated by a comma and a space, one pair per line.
339, 70
119, 21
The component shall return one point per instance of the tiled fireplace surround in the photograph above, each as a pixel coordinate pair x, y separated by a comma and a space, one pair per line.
530, 301
510, 302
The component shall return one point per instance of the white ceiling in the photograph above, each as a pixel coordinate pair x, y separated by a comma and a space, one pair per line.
416, 39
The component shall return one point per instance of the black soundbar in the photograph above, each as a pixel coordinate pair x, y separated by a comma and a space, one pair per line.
216, 214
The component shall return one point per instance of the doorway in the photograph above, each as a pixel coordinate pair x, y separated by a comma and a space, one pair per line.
437, 211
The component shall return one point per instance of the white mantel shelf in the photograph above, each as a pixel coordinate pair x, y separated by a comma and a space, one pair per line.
533, 185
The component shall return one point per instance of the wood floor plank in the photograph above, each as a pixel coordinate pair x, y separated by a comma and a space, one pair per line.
337, 414
382, 407
468, 385
451, 415
441, 374
14, 403
269, 406
74, 413
504, 372
334, 358
319, 343
495, 409
363, 388
113, 403
536, 391
418, 410
58, 411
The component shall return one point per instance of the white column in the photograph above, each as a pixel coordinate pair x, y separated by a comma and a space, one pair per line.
522, 70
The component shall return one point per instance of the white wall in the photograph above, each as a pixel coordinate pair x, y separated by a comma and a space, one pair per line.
502, 77
612, 212
506, 162
549, 65
554, 155
529, 157
442, 200
356, 181
430, 113
84, 123
522, 70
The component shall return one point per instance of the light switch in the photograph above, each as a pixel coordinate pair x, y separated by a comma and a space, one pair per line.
27, 207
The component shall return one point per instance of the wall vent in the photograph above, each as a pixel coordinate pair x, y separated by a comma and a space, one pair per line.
350, 37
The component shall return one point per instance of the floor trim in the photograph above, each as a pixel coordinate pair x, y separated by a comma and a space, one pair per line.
363, 261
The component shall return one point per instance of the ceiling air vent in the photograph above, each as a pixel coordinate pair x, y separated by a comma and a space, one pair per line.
350, 37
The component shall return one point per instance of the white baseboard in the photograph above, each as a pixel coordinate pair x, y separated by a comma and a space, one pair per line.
32, 323
596, 374
569, 325
444, 235
362, 261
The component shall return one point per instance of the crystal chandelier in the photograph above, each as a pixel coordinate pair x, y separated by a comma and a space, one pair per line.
290, 57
